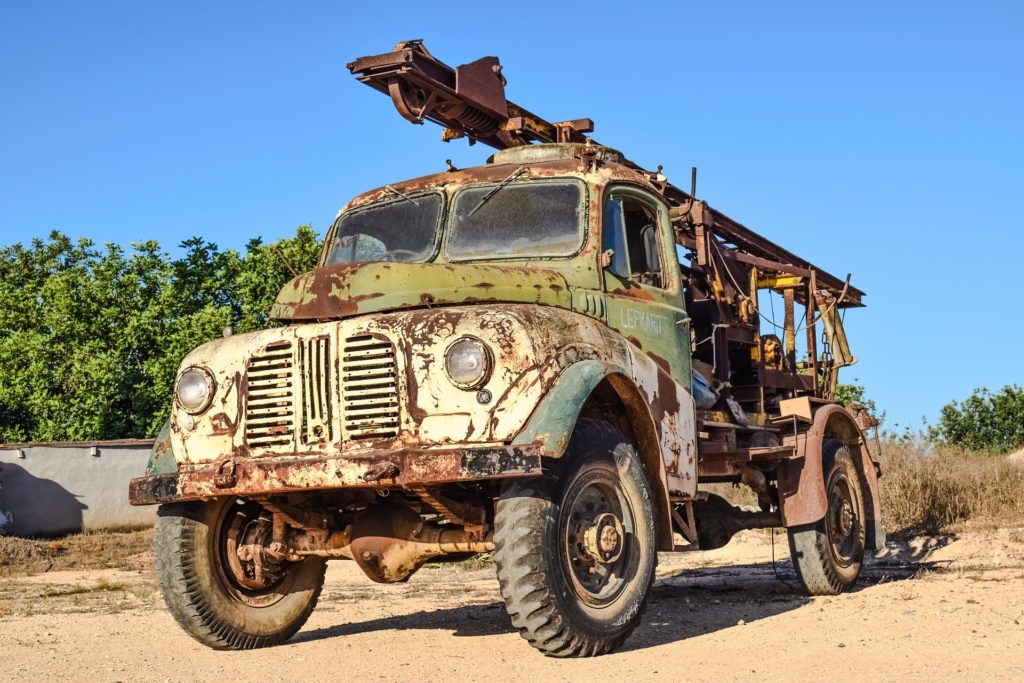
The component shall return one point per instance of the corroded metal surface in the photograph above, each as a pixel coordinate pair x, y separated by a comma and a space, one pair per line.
531, 345
352, 289
276, 475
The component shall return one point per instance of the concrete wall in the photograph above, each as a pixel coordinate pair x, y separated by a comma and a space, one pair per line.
53, 489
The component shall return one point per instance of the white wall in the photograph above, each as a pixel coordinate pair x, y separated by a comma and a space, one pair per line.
52, 489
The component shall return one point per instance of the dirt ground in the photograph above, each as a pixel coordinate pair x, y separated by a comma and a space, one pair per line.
927, 609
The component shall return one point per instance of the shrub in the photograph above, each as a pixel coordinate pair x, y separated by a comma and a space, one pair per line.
985, 421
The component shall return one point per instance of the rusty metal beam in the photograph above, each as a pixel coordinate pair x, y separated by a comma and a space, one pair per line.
268, 476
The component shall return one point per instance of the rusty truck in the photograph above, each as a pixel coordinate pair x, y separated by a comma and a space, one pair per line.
547, 358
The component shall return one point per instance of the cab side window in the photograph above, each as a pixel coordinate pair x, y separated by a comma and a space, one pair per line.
631, 233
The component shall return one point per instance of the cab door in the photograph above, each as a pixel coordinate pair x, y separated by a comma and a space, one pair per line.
645, 304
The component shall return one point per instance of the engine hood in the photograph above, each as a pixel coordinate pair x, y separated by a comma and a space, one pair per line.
346, 290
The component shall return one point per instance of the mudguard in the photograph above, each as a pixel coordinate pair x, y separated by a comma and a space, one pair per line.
802, 481
554, 419
552, 423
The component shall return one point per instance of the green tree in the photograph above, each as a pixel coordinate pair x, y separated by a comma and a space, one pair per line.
265, 269
984, 421
853, 393
91, 339
847, 394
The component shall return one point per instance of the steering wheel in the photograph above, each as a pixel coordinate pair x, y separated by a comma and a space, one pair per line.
408, 253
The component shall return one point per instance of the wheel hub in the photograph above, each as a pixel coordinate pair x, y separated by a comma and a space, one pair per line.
602, 541
846, 518
844, 525
247, 558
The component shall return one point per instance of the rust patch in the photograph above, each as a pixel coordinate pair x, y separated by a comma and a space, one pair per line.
633, 293
403, 467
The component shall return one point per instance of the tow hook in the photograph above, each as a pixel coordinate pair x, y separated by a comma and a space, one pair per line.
382, 470
225, 477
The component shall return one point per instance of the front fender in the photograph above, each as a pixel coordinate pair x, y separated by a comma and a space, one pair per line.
554, 419
161, 458
552, 423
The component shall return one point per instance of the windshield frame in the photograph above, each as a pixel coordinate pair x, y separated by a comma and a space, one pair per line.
583, 227
439, 229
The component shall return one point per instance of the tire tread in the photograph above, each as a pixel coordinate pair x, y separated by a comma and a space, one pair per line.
521, 568
183, 590
809, 544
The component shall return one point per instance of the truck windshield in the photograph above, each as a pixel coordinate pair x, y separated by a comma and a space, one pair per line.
402, 229
520, 219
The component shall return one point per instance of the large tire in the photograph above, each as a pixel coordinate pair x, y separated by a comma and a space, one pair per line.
575, 550
201, 588
828, 555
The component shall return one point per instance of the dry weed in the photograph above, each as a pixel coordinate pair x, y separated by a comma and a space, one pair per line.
89, 550
928, 489
101, 586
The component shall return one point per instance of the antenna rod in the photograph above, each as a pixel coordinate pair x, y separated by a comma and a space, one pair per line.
693, 182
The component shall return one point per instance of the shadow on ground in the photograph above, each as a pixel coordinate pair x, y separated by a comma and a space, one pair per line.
692, 602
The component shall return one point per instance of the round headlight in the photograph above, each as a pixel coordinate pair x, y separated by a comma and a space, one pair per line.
468, 362
195, 389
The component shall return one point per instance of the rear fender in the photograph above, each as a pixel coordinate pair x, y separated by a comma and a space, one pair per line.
802, 481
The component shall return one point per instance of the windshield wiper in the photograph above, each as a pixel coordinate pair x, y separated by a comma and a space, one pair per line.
515, 174
399, 194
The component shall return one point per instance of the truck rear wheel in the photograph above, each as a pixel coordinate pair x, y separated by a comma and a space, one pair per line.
828, 555
575, 550
215, 596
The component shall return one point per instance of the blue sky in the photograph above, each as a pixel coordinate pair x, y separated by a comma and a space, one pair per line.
882, 139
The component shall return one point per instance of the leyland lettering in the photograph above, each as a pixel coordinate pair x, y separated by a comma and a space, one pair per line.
544, 358
644, 321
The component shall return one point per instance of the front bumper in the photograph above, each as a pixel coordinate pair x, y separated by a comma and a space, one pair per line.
382, 469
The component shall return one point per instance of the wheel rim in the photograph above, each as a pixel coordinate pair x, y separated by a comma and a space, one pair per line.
597, 536
239, 524
844, 525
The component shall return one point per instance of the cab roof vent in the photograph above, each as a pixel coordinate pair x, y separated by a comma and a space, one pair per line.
555, 151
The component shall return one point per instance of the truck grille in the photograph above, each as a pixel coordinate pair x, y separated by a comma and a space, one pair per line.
315, 375
369, 380
269, 410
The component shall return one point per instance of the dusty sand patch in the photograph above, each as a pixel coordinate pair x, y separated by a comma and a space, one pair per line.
929, 608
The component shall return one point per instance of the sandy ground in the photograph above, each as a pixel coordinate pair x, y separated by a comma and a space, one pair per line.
927, 609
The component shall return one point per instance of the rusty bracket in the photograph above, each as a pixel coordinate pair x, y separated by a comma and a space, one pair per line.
463, 514
564, 130
297, 517
687, 526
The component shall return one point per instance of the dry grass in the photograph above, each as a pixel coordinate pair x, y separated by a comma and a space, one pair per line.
106, 549
930, 489
101, 586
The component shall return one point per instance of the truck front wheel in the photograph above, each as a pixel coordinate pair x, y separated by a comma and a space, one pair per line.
216, 594
828, 555
575, 550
